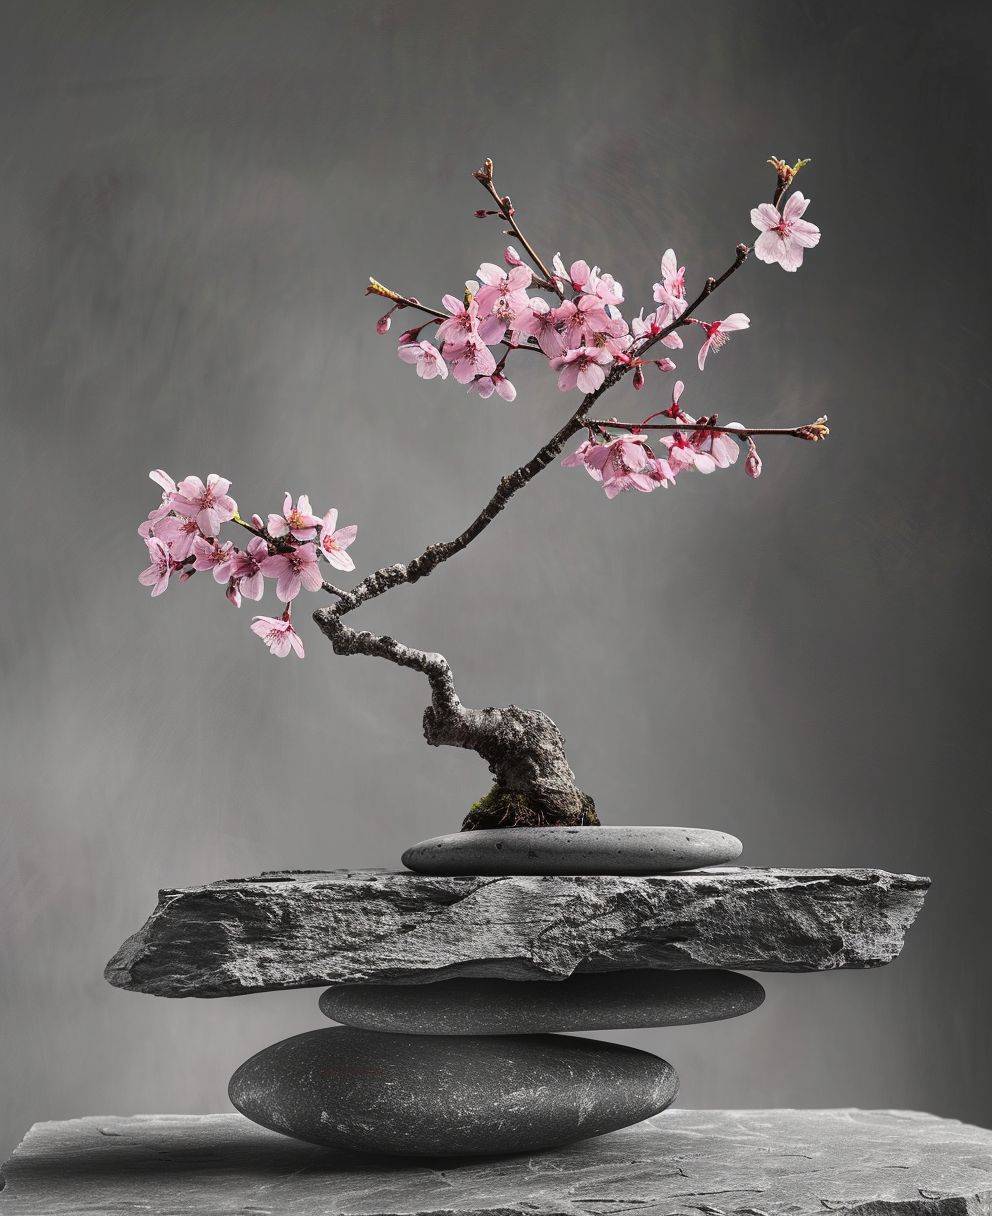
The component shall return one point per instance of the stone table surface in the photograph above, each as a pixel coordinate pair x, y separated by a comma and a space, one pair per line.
680, 1163
299, 929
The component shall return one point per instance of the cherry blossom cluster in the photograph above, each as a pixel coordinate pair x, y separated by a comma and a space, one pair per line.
628, 462
574, 321
182, 535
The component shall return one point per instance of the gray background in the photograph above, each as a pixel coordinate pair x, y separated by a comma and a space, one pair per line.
192, 196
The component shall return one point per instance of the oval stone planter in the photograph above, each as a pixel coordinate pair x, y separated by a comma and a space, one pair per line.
577, 850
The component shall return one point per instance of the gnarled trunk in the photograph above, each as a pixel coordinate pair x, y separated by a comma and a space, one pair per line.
533, 785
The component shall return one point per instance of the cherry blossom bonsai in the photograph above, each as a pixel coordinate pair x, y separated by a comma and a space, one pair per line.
569, 320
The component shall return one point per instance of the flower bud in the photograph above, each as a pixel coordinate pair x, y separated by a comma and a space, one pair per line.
511, 257
383, 324
752, 462
638, 377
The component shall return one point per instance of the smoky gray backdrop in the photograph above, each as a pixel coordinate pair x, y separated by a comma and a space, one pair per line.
192, 198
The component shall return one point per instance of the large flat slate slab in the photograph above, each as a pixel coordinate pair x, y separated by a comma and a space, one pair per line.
680, 1163
295, 930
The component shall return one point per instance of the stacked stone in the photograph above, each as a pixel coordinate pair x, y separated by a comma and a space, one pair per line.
482, 1066
458, 981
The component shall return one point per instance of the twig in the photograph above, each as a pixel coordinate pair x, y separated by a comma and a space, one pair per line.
485, 177
709, 287
810, 431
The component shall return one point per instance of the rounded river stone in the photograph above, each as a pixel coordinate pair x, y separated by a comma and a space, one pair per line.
435, 1096
578, 850
619, 1000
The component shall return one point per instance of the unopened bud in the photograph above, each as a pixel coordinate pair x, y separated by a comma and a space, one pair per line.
511, 257
410, 335
664, 365
752, 461
256, 521
383, 324
786, 172
638, 377
815, 431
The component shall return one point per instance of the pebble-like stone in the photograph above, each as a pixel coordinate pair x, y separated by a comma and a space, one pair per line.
580, 850
429, 1095
620, 1000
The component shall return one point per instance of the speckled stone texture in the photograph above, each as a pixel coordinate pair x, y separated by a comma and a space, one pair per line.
578, 850
617, 1000
682, 1163
297, 930
428, 1095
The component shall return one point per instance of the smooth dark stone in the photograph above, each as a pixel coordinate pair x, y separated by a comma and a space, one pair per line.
430, 1095
622, 1000
586, 850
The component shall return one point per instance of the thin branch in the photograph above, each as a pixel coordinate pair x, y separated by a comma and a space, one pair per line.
485, 177
375, 288
813, 432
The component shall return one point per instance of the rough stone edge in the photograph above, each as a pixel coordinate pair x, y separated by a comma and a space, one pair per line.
118, 970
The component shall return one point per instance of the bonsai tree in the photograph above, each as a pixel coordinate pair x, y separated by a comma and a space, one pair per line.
567, 320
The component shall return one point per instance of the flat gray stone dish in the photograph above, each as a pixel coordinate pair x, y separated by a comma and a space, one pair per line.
693, 1162
588, 850
622, 1000
428, 1095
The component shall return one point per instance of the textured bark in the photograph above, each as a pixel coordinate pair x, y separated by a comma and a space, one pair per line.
297, 930
533, 785
683, 1163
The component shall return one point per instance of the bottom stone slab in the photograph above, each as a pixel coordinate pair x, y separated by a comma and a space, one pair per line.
680, 1163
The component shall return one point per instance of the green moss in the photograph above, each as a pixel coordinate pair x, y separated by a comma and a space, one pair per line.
501, 808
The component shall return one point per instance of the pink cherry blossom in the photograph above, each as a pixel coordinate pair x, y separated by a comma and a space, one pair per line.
469, 359
579, 277
577, 459
278, 634
156, 573
427, 358
784, 235
609, 290
718, 332
485, 386
722, 448
539, 320
463, 322
210, 505
582, 368
670, 292
582, 318
623, 464
293, 571
178, 533
298, 522
501, 300
161, 478
246, 569
334, 540
214, 556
